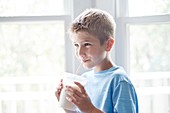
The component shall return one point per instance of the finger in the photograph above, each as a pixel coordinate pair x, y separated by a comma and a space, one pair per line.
61, 82
74, 98
58, 89
73, 90
70, 96
60, 85
81, 87
57, 94
71, 93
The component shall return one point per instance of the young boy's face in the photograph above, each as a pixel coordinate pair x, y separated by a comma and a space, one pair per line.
89, 50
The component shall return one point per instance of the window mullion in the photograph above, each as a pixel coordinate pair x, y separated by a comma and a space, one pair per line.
122, 8
34, 18
147, 19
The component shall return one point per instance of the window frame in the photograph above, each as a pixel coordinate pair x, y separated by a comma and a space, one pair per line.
36, 95
122, 50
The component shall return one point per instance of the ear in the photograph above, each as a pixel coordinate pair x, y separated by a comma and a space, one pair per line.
109, 44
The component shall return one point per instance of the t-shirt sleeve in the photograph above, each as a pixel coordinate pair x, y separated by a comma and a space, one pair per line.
125, 98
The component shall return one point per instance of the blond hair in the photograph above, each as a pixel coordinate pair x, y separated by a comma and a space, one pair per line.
96, 22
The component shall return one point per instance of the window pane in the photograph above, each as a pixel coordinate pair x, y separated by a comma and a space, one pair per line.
32, 55
148, 7
31, 7
31, 49
149, 47
149, 65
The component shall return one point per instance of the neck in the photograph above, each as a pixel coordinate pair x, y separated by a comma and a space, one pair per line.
104, 65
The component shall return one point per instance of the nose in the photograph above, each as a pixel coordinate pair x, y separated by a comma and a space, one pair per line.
80, 52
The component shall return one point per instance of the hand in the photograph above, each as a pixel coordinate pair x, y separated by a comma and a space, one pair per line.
59, 88
80, 98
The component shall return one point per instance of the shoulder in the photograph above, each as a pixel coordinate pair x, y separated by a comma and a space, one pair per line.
119, 74
116, 74
122, 85
120, 78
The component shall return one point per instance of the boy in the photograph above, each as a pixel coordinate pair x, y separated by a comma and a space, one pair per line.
108, 89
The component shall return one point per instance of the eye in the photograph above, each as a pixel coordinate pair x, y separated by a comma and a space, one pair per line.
87, 44
76, 45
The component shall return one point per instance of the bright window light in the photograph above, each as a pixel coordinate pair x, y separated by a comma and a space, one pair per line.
148, 7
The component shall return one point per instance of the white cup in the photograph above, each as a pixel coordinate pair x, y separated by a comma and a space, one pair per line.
69, 79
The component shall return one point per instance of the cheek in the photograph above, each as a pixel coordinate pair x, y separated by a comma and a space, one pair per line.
99, 55
95, 54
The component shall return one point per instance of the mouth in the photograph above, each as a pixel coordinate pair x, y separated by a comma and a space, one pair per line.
85, 60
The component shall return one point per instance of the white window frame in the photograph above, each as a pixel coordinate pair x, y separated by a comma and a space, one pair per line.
38, 95
69, 63
122, 50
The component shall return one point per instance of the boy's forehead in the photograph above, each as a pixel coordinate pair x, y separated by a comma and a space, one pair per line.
84, 36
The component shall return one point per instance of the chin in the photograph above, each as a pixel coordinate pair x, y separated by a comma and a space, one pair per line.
86, 66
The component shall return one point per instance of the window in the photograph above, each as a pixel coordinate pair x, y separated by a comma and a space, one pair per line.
142, 40
32, 7
148, 7
32, 54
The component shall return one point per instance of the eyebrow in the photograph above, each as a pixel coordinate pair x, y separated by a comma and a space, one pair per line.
86, 40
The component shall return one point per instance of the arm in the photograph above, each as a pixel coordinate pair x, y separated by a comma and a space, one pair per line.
95, 110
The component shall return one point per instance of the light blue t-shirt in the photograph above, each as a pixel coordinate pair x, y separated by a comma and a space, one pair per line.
111, 91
